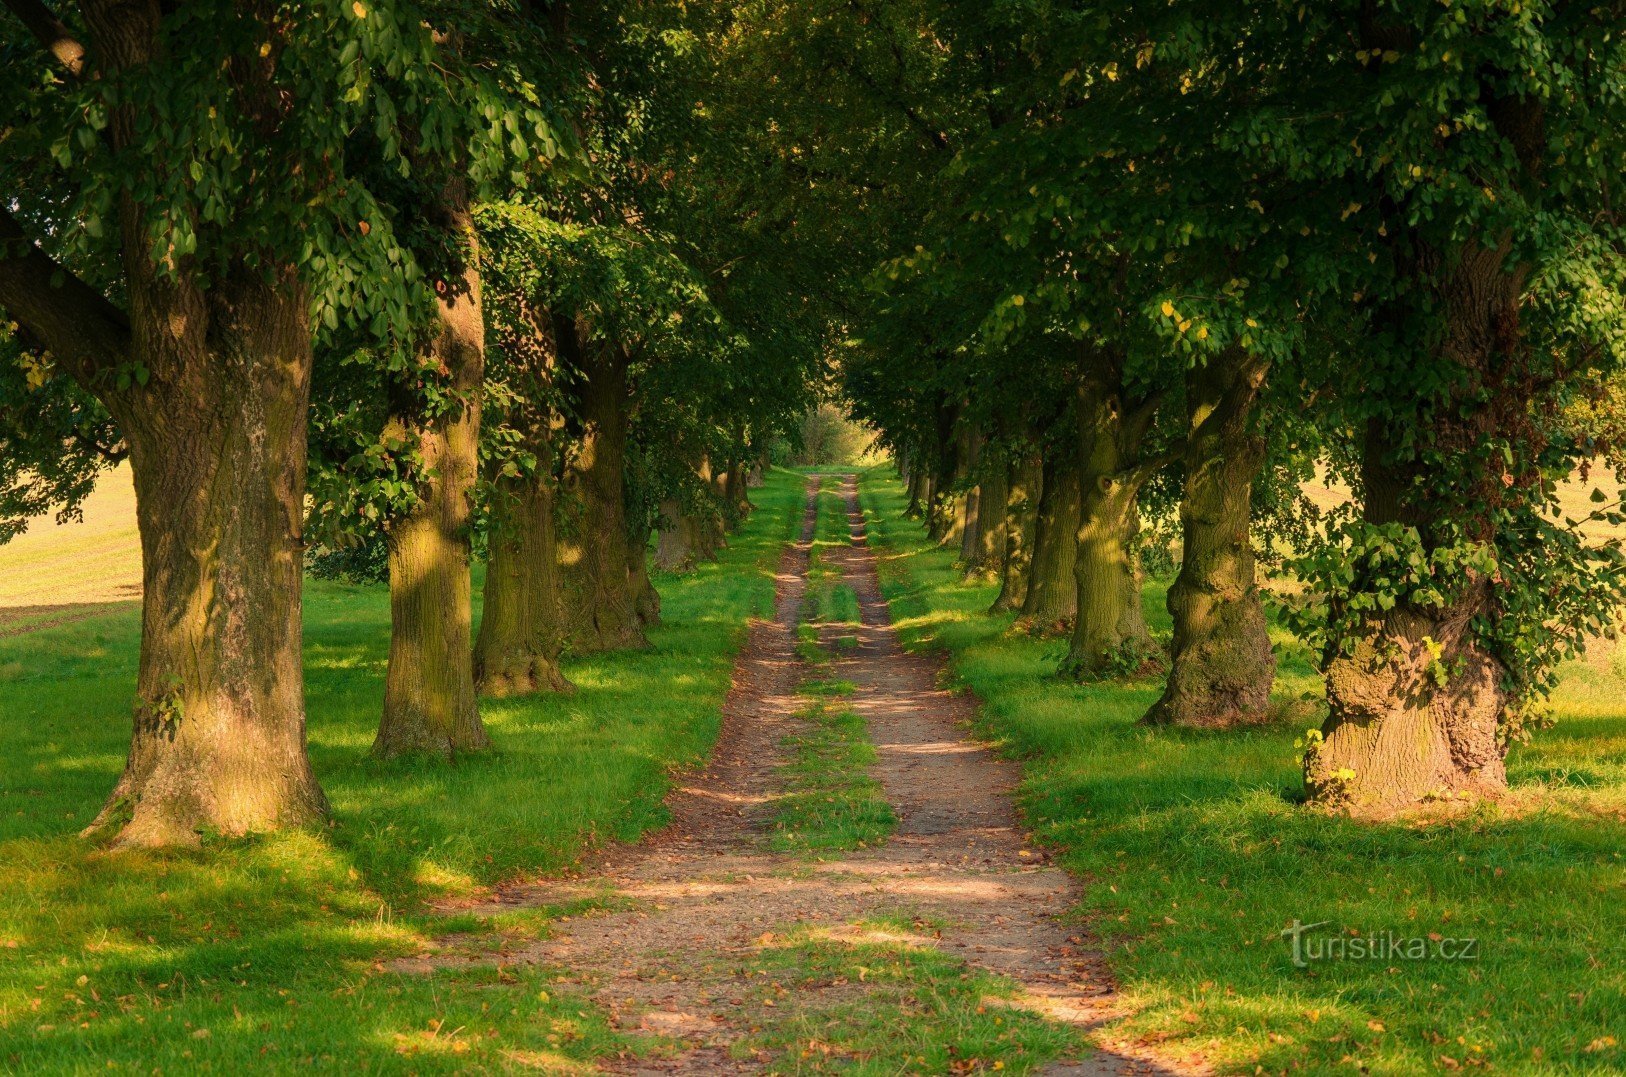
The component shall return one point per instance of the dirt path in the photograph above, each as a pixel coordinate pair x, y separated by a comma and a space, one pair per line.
700, 900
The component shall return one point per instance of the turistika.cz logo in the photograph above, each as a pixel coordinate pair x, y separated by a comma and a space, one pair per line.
1374, 946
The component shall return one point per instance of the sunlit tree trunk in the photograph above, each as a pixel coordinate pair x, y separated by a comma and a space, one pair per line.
217, 448
215, 419
598, 603
1109, 631
988, 551
430, 705
1221, 662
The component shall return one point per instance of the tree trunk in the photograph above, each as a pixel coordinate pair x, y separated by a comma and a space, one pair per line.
517, 651
970, 527
646, 601
1396, 735
1109, 632
739, 495
917, 493
217, 447
988, 551
1022, 481
430, 705
1052, 593
675, 548
592, 545
1222, 666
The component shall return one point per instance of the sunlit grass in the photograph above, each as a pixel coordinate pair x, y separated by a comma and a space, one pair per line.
1195, 856
271, 953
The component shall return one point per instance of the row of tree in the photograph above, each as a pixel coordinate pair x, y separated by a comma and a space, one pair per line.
1138, 267
381, 285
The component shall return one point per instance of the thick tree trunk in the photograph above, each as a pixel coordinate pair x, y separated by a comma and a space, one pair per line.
1052, 593
217, 447
1399, 733
430, 705
1023, 477
521, 637
1109, 632
598, 603
1416, 704
970, 516
1221, 663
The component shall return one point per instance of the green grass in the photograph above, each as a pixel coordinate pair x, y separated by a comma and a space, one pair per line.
1195, 858
270, 952
922, 1012
831, 803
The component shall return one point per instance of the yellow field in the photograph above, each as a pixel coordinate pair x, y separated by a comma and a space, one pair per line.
56, 572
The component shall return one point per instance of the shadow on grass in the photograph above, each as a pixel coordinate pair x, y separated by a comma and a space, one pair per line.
269, 951
1194, 860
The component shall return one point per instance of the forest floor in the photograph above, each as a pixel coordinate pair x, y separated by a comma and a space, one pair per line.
846, 884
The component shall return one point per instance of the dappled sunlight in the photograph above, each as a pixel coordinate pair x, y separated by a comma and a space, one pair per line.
277, 940
1197, 856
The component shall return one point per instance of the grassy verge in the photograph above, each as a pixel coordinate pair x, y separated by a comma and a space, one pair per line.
1196, 860
270, 953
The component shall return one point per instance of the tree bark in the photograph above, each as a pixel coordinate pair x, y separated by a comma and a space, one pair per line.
646, 601
1051, 600
988, 552
1109, 630
917, 492
598, 602
521, 637
1221, 663
430, 705
217, 447
1023, 476
970, 517
1416, 702
675, 547
738, 493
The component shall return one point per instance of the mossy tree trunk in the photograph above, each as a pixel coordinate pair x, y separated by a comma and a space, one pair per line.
1052, 591
1109, 630
598, 603
430, 705
1023, 477
1221, 663
216, 431
217, 448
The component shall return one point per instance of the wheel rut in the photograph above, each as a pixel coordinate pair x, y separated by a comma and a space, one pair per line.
688, 910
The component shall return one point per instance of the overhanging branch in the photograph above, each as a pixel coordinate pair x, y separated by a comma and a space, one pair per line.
66, 316
52, 33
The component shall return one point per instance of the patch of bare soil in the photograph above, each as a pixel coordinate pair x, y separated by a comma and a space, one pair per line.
695, 902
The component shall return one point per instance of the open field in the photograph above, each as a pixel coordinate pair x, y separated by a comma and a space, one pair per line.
56, 572
1197, 857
